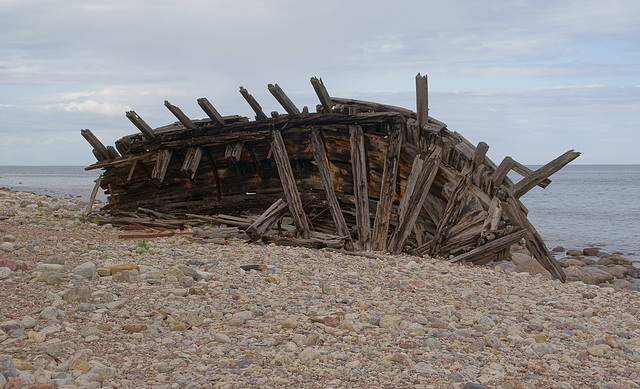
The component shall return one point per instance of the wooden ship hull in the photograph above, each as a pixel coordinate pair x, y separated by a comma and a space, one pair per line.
357, 175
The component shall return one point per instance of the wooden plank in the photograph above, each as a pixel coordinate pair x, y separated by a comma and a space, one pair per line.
112, 152
289, 183
101, 152
283, 99
493, 218
387, 189
163, 157
94, 193
140, 124
177, 112
501, 171
233, 151
320, 156
410, 184
490, 248
213, 114
214, 172
257, 229
416, 199
533, 240
422, 101
479, 155
525, 171
192, 161
253, 104
360, 175
132, 170
527, 183
322, 93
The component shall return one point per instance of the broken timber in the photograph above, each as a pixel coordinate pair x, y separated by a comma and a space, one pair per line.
355, 175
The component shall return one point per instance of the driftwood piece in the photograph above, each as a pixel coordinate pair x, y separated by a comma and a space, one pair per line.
492, 248
112, 152
213, 114
494, 216
525, 172
289, 183
533, 240
94, 193
266, 220
524, 185
360, 190
253, 103
387, 190
228, 220
177, 112
283, 99
140, 124
100, 151
163, 157
410, 184
220, 233
192, 161
501, 172
322, 93
320, 156
415, 201
422, 101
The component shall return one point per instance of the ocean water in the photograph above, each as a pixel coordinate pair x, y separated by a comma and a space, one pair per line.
584, 206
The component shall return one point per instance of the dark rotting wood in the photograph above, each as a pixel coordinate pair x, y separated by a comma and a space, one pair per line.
283, 99
360, 174
253, 104
479, 155
233, 151
214, 172
140, 124
163, 157
213, 114
491, 248
527, 183
132, 170
267, 219
177, 112
322, 94
422, 101
415, 200
191, 161
94, 193
498, 176
289, 183
320, 156
112, 152
100, 151
387, 190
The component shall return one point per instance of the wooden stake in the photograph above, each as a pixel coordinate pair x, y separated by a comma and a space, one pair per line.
163, 157
177, 112
101, 152
282, 98
322, 93
253, 104
524, 185
211, 111
360, 175
422, 101
94, 193
140, 124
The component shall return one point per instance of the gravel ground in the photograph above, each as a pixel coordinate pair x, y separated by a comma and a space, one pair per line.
184, 314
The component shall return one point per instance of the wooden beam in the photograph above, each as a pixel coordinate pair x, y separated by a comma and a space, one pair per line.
360, 174
410, 184
112, 152
322, 93
257, 229
140, 124
320, 156
422, 101
94, 193
283, 99
177, 112
527, 183
387, 189
525, 172
192, 161
491, 248
416, 199
233, 151
214, 171
211, 112
289, 184
163, 157
501, 171
493, 218
101, 152
132, 169
253, 104
479, 155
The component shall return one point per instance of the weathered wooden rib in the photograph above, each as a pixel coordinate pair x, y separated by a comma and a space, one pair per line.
433, 191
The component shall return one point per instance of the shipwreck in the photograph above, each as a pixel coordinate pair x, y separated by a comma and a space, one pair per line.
354, 175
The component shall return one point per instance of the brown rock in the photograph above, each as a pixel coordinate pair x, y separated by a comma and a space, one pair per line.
574, 253
591, 251
615, 259
573, 273
121, 268
615, 270
558, 249
518, 258
331, 321
14, 383
10, 263
42, 386
568, 261
532, 267
595, 276
132, 328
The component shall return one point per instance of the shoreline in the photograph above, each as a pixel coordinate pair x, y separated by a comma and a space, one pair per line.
186, 314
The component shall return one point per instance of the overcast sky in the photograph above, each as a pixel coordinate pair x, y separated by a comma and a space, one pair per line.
533, 79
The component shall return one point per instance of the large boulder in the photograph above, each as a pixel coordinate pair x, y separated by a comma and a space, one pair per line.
614, 259
594, 276
591, 252
532, 267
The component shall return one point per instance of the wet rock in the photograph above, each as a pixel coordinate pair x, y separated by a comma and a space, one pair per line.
558, 249
591, 251
574, 253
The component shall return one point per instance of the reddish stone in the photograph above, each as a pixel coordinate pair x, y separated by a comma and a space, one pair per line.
120, 268
582, 357
574, 253
558, 249
42, 386
439, 324
532, 267
10, 263
132, 328
14, 383
591, 252
331, 321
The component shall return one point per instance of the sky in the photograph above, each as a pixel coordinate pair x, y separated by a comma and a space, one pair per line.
532, 79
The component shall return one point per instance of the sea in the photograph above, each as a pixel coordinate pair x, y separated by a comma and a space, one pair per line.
584, 206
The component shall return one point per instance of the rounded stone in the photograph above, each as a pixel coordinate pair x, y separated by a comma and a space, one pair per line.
86, 270
5, 272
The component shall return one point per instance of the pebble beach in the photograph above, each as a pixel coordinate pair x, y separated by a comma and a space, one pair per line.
82, 308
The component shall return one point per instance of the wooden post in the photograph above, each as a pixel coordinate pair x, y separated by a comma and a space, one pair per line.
94, 193
387, 189
214, 171
112, 152
410, 184
257, 229
289, 183
524, 185
100, 151
177, 112
422, 101
163, 157
320, 156
140, 124
360, 175
253, 104
192, 161
415, 200
479, 155
211, 111
501, 172
282, 98
322, 93
132, 169
233, 151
